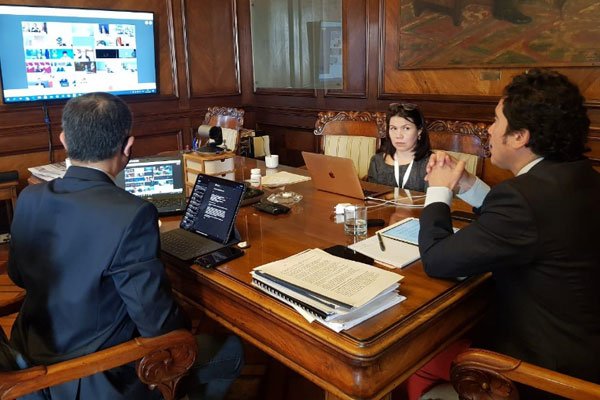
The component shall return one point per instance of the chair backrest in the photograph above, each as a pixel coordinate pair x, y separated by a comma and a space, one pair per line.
352, 134
464, 140
229, 118
481, 374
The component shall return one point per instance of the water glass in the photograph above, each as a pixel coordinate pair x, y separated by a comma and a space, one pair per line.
355, 220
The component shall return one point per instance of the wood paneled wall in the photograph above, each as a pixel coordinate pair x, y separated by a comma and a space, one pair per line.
205, 59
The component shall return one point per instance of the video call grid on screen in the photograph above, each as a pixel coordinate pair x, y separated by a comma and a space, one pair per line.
153, 178
212, 207
54, 53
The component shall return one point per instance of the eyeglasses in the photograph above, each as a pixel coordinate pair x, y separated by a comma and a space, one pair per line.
394, 107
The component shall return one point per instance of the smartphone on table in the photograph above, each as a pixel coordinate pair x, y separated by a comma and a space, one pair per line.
219, 257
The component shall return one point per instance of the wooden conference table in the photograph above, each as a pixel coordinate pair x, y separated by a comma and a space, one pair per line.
365, 362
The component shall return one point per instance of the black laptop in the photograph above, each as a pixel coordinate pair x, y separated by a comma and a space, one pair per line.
158, 179
208, 223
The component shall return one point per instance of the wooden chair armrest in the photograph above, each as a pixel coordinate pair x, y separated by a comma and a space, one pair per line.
483, 374
13, 305
163, 361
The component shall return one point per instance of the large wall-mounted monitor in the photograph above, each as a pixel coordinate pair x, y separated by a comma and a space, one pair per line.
50, 53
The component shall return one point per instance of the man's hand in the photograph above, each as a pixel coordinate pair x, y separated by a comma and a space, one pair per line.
444, 170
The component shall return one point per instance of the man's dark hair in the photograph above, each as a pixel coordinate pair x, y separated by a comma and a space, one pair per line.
412, 113
96, 126
551, 108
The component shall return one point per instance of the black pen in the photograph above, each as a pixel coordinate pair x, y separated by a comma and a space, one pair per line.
381, 245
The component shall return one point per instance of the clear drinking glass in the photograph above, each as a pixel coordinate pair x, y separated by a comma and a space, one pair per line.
355, 220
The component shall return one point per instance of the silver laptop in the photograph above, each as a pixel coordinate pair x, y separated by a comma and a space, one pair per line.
338, 175
158, 179
208, 223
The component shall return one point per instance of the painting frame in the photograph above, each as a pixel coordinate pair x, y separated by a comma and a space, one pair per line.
441, 34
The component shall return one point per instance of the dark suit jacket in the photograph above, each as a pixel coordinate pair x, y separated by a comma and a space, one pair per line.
86, 251
538, 234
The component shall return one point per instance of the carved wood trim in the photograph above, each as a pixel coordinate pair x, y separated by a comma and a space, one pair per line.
325, 117
479, 374
473, 382
164, 361
163, 369
478, 129
235, 113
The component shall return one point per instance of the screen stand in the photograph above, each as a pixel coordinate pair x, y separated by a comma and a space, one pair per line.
234, 237
49, 127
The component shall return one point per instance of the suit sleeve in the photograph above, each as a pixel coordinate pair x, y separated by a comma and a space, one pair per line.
504, 236
18, 232
140, 279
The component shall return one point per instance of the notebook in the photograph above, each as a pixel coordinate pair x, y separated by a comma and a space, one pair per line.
338, 175
158, 179
208, 223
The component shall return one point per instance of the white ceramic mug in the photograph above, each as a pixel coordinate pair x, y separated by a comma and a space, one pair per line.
272, 161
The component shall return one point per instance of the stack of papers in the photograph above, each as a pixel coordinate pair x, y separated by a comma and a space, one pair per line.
50, 171
334, 291
282, 178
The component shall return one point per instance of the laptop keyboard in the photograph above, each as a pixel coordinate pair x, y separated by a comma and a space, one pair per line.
167, 203
369, 193
186, 245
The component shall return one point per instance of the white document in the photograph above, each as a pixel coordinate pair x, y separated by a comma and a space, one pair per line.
312, 308
344, 282
397, 254
50, 171
355, 317
400, 241
283, 178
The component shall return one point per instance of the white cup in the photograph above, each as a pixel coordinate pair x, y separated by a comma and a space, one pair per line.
272, 161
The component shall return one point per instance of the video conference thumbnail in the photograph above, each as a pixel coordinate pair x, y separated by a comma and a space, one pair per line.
149, 180
82, 55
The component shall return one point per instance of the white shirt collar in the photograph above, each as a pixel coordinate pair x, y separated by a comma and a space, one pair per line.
526, 168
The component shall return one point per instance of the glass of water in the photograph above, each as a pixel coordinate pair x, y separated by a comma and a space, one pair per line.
355, 220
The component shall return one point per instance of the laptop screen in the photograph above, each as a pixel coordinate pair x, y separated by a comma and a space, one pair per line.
212, 208
152, 177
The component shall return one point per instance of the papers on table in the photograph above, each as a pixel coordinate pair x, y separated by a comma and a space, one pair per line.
50, 171
400, 243
336, 292
282, 178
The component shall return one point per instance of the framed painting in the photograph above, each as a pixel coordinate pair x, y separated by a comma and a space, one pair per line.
441, 34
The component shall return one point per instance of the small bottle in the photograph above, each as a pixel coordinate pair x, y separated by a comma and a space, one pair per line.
255, 177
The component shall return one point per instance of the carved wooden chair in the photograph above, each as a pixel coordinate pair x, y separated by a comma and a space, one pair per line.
352, 134
160, 362
463, 140
8, 191
481, 374
228, 118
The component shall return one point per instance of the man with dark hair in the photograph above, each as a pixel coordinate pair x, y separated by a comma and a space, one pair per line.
86, 251
536, 232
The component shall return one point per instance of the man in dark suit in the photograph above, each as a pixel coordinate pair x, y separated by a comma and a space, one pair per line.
86, 251
536, 232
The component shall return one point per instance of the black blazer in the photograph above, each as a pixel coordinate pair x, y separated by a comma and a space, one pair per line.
86, 251
538, 234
